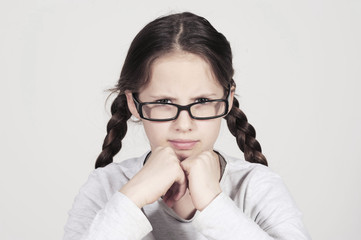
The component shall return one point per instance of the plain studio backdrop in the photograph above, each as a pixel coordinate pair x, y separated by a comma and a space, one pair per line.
297, 67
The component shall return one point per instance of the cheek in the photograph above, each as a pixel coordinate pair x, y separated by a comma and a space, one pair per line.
156, 132
210, 130
207, 131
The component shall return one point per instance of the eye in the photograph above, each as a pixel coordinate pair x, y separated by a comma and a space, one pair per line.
163, 101
202, 100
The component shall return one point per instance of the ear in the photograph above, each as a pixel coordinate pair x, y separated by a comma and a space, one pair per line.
131, 104
231, 96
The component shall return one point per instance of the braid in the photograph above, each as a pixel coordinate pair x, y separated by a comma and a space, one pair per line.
116, 130
245, 135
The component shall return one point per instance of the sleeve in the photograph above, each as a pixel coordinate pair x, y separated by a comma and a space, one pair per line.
96, 216
267, 212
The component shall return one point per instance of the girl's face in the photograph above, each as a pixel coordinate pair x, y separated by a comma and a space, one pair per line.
181, 78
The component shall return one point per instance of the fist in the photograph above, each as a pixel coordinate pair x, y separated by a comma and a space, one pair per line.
203, 172
161, 175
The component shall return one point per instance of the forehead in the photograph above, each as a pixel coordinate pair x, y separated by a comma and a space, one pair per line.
181, 73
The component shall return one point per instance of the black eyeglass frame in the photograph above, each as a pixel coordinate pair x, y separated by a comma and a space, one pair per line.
180, 108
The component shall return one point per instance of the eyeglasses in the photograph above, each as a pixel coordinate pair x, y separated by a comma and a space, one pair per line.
207, 109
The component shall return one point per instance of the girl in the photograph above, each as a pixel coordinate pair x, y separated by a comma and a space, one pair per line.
177, 78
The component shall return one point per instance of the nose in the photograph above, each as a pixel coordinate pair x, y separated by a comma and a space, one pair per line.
184, 122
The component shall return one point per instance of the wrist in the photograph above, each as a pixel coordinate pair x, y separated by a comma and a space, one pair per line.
133, 196
208, 199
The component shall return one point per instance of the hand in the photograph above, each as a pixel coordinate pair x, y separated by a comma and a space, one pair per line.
161, 175
203, 174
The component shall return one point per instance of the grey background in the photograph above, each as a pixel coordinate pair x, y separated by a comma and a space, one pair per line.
297, 68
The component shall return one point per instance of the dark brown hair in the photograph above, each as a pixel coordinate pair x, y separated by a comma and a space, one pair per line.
185, 32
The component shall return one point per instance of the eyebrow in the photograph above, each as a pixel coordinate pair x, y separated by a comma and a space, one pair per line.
161, 96
202, 95
206, 95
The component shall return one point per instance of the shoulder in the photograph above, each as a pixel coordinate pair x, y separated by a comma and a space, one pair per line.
112, 177
240, 169
252, 181
128, 167
259, 191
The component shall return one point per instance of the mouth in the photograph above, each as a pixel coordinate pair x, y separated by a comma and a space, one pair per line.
183, 144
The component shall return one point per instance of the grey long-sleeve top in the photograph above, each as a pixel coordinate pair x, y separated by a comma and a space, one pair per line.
254, 205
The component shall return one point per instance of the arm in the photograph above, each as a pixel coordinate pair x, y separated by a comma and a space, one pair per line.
96, 214
99, 213
262, 209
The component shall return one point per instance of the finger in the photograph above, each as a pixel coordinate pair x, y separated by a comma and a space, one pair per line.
182, 187
168, 198
168, 195
186, 166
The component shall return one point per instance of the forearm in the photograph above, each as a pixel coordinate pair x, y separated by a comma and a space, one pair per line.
222, 219
120, 218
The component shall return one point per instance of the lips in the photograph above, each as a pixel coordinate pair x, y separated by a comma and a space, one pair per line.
182, 144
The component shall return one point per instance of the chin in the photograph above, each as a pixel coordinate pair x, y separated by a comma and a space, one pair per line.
181, 155
184, 154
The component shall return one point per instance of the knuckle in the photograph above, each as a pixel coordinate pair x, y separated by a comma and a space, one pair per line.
183, 165
158, 149
168, 149
208, 154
